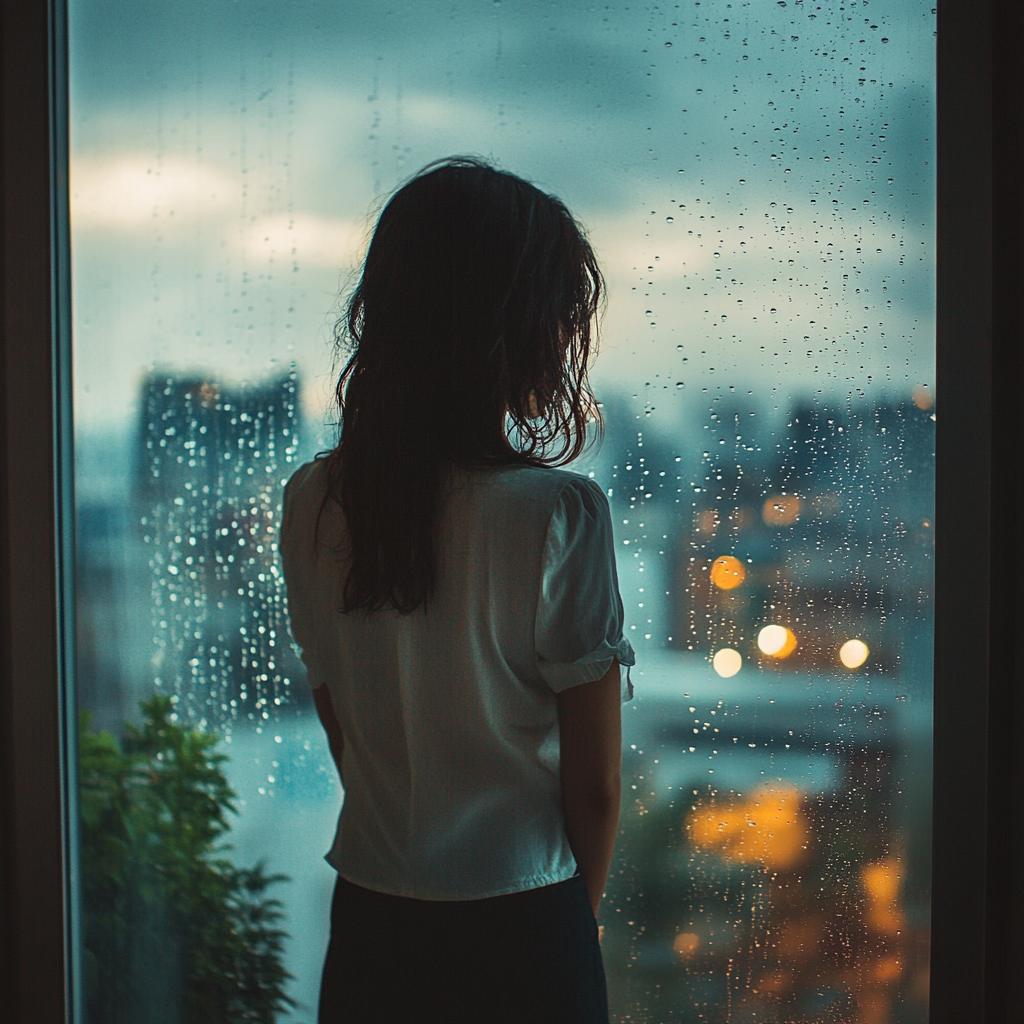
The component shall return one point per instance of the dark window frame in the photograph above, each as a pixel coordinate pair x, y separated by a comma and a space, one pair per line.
977, 910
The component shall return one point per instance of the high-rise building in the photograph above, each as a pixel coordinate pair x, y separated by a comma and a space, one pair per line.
214, 461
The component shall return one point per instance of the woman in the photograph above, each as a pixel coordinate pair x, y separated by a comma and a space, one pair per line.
456, 603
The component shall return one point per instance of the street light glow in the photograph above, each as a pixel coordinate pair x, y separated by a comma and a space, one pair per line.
781, 510
727, 662
854, 653
727, 572
776, 641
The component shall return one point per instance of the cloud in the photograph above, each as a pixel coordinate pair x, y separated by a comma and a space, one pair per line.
307, 240
125, 193
811, 247
135, 198
625, 252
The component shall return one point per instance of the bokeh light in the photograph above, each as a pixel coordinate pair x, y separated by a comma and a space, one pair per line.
727, 572
707, 520
854, 653
770, 826
781, 510
923, 397
686, 943
727, 662
882, 882
776, 641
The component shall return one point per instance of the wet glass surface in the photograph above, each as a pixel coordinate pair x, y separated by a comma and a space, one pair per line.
758, 182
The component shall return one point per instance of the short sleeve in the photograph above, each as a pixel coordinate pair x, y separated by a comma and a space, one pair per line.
297, 531
579, 610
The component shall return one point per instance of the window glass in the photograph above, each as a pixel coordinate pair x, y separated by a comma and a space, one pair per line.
758, 181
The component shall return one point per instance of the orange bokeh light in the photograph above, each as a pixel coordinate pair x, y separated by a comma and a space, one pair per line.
781, 510
727, 572
881, 883
923, 397
776, 982
875, 1006
889, 969
769, 826
686, 943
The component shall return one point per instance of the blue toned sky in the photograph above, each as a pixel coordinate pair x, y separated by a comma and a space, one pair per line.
757, 179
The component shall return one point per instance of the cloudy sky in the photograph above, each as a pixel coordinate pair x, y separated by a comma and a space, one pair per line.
757, 178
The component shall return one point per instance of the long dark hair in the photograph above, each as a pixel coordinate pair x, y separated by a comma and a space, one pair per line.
468, 341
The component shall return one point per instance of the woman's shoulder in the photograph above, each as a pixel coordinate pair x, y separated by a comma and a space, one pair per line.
308, 517
542, 487
309, 480
304, 493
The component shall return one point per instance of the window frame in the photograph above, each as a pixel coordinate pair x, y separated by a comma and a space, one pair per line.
977, 948
977, 945
37, 755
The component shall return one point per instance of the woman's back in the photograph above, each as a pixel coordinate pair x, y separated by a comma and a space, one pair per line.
462, 629
451, 757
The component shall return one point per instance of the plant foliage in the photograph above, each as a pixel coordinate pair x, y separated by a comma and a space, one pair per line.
174, 932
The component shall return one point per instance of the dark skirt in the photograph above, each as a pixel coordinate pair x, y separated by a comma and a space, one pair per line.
529, 958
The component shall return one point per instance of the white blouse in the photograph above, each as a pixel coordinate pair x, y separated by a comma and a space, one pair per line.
451, 759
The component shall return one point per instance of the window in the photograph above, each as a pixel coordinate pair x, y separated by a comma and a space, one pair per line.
728, 530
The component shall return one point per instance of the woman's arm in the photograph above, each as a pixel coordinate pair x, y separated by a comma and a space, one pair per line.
328, 719
590, 729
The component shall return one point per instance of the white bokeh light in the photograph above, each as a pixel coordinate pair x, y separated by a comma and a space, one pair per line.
772, 639
854, 653
727, 662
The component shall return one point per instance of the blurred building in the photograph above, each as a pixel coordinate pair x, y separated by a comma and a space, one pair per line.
208, 486
826, 520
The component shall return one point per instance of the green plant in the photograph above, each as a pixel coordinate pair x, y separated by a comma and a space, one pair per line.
174, 932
